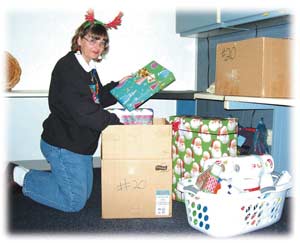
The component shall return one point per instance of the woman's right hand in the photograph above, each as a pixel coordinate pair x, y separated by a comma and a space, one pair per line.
123, 80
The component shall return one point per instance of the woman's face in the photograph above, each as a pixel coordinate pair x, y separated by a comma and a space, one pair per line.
92, 46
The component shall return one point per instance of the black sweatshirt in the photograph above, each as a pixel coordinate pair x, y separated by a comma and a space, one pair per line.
76, 120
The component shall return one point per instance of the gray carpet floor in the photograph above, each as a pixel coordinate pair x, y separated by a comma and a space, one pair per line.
26, 217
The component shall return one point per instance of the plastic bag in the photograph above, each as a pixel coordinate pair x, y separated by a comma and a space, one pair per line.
254, 140
260, 145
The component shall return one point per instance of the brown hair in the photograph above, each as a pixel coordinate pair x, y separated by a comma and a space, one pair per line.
94, 29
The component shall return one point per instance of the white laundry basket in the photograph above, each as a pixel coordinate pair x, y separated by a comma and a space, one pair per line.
231, 215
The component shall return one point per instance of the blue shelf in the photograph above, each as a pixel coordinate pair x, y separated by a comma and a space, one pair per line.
246, 103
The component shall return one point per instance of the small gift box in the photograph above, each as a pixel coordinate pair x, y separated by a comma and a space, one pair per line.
135, 89
141, 116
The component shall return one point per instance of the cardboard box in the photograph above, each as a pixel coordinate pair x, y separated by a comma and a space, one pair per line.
141, 85
258, 67
136, 171
196, 139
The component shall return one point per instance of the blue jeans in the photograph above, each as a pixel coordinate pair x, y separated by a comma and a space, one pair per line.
69, 184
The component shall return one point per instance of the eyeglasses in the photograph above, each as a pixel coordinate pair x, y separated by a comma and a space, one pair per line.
93, 40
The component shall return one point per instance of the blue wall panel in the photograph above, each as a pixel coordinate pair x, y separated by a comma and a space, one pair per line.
185, 107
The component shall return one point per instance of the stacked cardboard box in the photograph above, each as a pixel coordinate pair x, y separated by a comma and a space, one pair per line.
136, 170
258, 67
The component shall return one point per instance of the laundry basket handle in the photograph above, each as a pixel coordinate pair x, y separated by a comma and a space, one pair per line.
282, 181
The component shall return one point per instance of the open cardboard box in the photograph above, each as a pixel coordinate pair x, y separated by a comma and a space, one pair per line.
136, 170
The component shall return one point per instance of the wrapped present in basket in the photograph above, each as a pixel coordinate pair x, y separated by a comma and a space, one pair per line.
140, 116
196, 139
135, 89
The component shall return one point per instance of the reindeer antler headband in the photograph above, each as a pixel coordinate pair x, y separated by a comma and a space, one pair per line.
89, 17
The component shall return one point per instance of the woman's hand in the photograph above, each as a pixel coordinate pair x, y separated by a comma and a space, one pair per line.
124, 79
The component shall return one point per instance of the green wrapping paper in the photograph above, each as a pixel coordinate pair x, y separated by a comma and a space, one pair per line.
196, 139
141, 85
